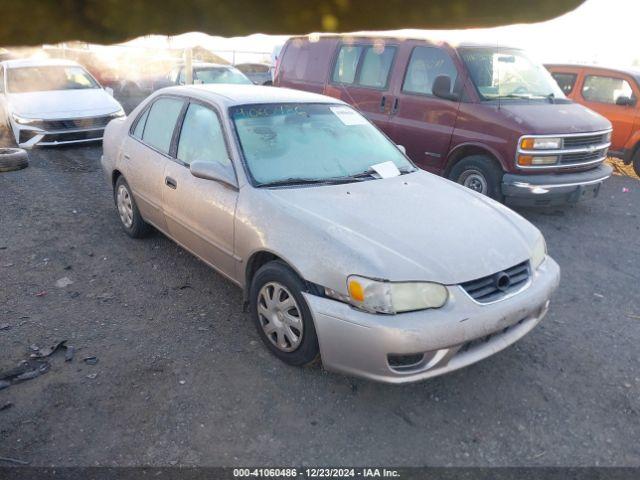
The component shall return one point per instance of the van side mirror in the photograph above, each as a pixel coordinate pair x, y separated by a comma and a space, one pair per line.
213, 171
442, 88
625, 101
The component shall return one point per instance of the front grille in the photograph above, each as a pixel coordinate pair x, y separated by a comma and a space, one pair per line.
494, 287
72, 136
583, 157
585, 141
73, 123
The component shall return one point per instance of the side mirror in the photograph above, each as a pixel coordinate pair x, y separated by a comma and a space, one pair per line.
402, 149
442, 88
213, 171
625, 101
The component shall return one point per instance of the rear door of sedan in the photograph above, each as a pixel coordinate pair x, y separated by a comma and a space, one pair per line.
146, 151
200, 213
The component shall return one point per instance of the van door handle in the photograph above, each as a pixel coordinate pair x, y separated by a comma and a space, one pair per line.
170, 182
395, 106
382, 103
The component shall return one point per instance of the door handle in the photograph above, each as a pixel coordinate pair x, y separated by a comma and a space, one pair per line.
382, 103
126, 156
170, 182
395, 106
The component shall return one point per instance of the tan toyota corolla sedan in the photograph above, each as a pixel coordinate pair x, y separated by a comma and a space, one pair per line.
344, 249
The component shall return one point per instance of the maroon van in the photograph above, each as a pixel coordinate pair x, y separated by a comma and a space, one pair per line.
488, 118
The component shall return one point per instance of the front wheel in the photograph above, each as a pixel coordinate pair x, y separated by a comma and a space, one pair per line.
282, 316
636, 163
481, 174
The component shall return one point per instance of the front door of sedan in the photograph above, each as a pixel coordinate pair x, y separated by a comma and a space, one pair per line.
145, 154
200, 213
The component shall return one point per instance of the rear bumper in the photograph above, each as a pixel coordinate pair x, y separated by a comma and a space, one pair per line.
554, 189
459, 334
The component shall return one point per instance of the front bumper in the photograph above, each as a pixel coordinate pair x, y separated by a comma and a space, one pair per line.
554, 189
459, 334
27, 137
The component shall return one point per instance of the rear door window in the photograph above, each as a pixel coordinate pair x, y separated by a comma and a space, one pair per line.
161, 122
603, 89
346, 65
142, 120
565, 81
425, 64
376, 66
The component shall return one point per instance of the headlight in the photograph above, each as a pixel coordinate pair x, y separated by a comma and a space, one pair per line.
21, 120
539, 253
542, 143
119, 113
395, 297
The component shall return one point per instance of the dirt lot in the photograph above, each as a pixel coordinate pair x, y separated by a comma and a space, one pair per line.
182, 377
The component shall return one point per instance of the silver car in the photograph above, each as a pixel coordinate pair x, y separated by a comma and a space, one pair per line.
345, 251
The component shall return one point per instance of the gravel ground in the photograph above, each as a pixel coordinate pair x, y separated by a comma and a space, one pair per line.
182, 378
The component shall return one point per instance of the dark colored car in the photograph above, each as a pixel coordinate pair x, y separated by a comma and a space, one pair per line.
492, 120
613, 93
258, 73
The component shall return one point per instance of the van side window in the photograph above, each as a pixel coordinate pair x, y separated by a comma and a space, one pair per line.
565, 81
605, 89
346, 64
425, 65
376, 66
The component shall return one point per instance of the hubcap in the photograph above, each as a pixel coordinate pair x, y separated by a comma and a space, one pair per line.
125, 206
474, 180
280, 316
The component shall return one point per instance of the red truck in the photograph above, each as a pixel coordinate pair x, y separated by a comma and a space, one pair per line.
488, 118
613, 93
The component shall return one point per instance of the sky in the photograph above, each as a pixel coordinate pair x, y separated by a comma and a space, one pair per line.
599, 31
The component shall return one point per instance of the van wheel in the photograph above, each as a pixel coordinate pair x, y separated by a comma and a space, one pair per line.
481, 174
636, 163
282, 316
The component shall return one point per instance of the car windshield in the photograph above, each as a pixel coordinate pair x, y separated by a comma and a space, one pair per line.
504, 73
46, 78
302, 142
220, 75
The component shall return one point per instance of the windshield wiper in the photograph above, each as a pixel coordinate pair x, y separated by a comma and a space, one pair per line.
308, 181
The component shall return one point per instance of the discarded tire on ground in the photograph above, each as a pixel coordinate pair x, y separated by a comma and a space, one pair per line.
13, 159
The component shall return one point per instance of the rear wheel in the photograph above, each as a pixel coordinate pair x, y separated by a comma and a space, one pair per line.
130, 217
282, 316
480, 173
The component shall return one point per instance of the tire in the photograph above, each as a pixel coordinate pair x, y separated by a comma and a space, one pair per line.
273, 328
130, 218
13, 159
7, 139
636, 163
481, 174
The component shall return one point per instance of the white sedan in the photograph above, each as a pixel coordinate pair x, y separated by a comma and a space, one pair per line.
52, 102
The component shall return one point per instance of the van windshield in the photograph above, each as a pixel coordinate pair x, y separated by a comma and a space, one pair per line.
508, 73
299, 143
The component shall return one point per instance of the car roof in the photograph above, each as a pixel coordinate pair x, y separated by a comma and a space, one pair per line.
39, 62
231, 95
634, 72
435, 38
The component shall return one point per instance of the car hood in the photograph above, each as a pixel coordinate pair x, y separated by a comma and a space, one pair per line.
546, 118
63, 103
414, 227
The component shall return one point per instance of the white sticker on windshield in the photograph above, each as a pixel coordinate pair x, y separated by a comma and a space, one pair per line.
349, 116
386, 169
